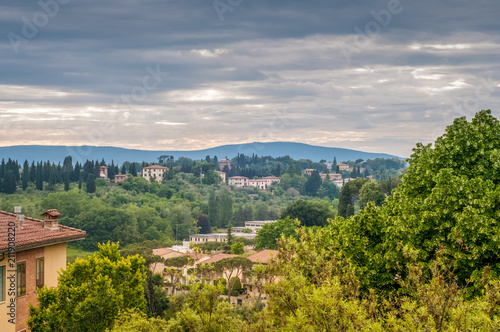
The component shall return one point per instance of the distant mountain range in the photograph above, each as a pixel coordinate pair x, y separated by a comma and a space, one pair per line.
119, 155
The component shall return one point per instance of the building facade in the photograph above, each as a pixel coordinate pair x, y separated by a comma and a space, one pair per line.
239, 181
32, 252
224, 162
222, 176
120, 177
103, 172
155, 172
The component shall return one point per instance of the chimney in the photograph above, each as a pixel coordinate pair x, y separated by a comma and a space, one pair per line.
19, 217
51, 220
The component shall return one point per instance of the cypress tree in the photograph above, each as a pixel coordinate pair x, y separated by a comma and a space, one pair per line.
345, 200
39, 176
46, 171
111, 170
33, 172
52, 179
91, 183
80, 182
216, 163
9, 183
76, 172
66, 181
26, 174
133, 170
2, 169
68, 164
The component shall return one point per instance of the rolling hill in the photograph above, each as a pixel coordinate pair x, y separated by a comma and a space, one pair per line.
119, 155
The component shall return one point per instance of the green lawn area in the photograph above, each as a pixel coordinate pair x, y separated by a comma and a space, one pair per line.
74, 253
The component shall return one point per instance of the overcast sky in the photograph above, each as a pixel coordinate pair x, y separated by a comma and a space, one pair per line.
376, 76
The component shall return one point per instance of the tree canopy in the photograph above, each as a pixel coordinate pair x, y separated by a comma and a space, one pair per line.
91, 293
310, 213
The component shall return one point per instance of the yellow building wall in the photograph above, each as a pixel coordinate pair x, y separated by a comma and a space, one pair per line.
55, 260
5, 326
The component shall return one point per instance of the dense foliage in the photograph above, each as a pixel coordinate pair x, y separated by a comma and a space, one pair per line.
91, 293
427, 259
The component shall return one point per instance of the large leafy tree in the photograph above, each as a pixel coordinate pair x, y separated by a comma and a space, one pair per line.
268, 236
312, 184
231, 268
310, 213
450, 199
91, 293
448, 202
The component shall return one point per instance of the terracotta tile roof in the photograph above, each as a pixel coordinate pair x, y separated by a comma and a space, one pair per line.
52, 213
263, 256
155, 167
34, 234
165, 251
162, 251
217, 257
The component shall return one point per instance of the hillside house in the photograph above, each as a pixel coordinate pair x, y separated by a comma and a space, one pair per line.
155, 172
120, 177
224, 162
32, 252
239, 181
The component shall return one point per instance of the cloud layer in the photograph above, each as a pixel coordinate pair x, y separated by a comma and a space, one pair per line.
377, 76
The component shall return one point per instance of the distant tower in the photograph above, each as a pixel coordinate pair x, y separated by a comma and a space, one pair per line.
224, 162
104, 172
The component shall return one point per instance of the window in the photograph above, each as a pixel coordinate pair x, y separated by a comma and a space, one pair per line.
2, 283
21, 279
39, 272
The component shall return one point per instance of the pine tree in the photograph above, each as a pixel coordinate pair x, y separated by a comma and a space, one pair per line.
230, 238
313, 183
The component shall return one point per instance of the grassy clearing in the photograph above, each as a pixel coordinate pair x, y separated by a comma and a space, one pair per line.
73, 253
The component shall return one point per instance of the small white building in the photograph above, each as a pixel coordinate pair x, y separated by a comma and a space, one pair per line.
239, 181
254, 226
217, 237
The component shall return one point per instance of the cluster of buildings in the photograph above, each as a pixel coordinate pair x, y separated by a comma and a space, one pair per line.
247, 232
29, 260
157, 172
175, 276
244, 182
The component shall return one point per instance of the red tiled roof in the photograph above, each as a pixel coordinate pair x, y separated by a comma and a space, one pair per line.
52, 213
155, 166
162, 251
263, 256
34, 234
218, 257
